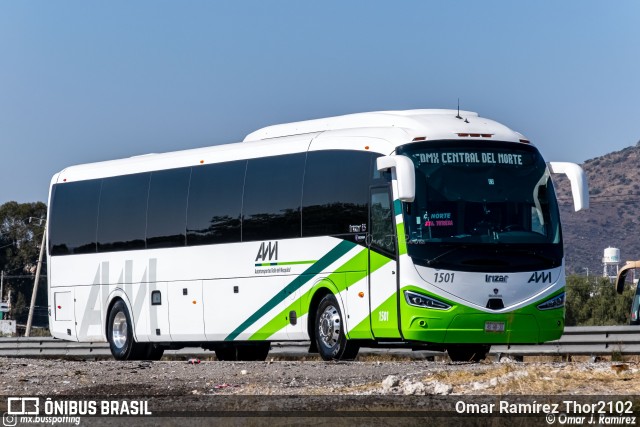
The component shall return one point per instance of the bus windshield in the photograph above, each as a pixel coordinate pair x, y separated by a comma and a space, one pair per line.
481, 206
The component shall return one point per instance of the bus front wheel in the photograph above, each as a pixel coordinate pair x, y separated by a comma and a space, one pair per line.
329, 332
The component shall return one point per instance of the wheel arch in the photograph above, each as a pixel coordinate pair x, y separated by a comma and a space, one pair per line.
116, 295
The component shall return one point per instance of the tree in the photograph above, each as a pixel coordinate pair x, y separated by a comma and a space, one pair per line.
594, 302
577, 294
21, 231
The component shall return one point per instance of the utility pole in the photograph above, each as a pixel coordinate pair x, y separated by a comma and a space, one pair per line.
35, 283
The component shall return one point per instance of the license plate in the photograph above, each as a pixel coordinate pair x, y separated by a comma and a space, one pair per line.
494, 326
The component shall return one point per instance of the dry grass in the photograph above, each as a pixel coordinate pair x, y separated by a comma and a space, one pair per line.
543, 379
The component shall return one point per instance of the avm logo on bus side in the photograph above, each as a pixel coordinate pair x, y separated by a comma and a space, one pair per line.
544, 277
268, 250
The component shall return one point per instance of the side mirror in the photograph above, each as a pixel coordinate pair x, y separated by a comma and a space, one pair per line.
403, 171
579, 185
622, 274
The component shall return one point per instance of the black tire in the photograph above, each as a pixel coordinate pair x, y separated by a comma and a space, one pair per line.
226, 352
329, 332
257, 352
467, 353
120, 334
153, 352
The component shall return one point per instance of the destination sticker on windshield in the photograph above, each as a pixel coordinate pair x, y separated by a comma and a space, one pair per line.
466, 158
438, 219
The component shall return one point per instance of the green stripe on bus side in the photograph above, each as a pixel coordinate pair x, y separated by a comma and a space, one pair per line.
342, 248
363, 329
397, 207
402, 240
357, 266
388, 305
357, 263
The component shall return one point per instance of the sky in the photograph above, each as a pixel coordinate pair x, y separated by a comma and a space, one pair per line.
86, 81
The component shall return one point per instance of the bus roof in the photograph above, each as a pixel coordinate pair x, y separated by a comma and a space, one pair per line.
379, 132
430, 124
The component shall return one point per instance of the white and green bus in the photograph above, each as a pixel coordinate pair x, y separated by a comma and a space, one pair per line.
421, 228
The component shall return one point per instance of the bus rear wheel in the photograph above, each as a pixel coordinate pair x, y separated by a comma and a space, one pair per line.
152, 352
120, 335
330, 337
467, 353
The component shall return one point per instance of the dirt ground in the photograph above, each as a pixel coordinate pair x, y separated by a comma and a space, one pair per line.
21, 376
222, 389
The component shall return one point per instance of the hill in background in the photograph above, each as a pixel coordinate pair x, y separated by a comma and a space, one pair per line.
613, 219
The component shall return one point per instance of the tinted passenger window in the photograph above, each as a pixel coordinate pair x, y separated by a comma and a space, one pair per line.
336, 190
74, 217
215, 202
123, 213
272, 193
167, 208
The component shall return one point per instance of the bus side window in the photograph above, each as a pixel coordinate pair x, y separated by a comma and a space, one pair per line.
272, 196
123, 212
74, 217
215, 202
167, 208
335, 194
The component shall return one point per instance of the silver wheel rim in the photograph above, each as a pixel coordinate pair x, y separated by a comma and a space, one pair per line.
329, 326
119, 331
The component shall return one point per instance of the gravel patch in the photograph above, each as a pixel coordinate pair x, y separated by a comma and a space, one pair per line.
39, 377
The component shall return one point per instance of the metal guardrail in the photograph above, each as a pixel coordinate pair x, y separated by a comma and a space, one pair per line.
582, 340
51, 347
592, 341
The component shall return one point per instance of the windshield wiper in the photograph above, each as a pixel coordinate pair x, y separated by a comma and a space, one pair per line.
429, 262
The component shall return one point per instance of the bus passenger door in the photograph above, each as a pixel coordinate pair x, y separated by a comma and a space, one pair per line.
383, 265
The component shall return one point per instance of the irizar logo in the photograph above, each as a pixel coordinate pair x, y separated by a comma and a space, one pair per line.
544, 277
495, 278
268, 250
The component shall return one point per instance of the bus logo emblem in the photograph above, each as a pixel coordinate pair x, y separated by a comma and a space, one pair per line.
540, 277
268, 250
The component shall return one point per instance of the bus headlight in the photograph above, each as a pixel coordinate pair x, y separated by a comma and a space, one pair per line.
423, 301
555, 302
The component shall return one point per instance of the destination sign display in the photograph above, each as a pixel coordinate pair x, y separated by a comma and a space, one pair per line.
452, 157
